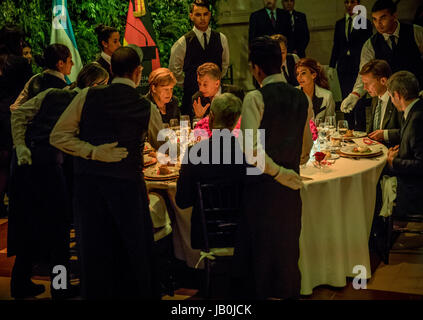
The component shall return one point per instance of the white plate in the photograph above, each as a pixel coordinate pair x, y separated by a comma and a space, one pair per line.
151, 173
357, 134
348, 150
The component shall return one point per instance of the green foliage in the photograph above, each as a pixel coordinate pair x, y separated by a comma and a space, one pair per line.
170, 21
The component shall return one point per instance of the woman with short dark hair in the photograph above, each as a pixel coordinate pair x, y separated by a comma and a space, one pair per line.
108, 41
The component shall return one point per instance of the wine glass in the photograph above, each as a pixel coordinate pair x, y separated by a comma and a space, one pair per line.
319, 156
342, 128
330, 123
321, 130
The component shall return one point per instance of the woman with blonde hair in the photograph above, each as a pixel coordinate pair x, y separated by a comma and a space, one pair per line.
161, 82
314, 83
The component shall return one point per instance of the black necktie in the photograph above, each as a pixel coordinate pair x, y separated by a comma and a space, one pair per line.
349, 28
285, 74
272, 18
393, 43
205, 40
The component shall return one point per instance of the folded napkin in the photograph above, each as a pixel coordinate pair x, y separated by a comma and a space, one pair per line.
389, 194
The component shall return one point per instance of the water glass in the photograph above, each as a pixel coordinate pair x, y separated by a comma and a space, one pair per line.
174, 123
342, 127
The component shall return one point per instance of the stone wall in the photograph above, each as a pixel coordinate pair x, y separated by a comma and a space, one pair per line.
321, 16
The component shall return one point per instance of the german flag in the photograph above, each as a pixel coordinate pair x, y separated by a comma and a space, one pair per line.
139, 31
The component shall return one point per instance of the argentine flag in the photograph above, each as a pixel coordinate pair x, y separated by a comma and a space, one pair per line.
61, 32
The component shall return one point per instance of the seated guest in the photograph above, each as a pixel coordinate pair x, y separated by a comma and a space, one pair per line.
108, 40
288, 60
57, 63
385, 121
161, 82
26, 52
406, 159
224, 114
314, 83
41, 233
209, 83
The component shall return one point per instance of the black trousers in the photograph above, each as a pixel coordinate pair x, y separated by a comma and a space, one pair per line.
40, 220
116, 239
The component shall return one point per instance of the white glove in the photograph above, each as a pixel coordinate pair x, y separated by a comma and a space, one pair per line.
289, 178
349, 103
331, 73
109, 153
23, 154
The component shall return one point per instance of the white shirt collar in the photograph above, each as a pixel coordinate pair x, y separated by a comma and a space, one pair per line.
408, 109
396, 32
199, 33
126, 81
384, 97
277, 77
55, 73
106, 57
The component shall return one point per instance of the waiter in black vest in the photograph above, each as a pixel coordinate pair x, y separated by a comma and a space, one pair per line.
111, 205
196, 47
400, 44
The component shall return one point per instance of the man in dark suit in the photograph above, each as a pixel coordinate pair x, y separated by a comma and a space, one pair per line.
406, 159
268, 21
347, 44
298, 36
209, 82
224, 114
385, 122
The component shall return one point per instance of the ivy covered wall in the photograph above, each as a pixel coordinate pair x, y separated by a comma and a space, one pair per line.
170, 21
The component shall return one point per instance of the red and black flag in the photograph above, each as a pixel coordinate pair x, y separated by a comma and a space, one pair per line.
139, 31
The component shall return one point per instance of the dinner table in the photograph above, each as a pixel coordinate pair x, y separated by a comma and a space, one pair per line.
338, 201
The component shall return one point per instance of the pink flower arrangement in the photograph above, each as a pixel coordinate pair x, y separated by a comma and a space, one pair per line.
202, 128
313, 129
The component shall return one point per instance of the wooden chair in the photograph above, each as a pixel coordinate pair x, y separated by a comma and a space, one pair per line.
219, 204
394, 231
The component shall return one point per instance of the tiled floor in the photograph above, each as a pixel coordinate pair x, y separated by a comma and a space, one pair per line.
402, 279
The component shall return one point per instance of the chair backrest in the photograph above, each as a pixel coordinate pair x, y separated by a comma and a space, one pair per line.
219, 204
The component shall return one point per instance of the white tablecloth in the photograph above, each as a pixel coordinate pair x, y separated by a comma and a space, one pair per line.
337, 215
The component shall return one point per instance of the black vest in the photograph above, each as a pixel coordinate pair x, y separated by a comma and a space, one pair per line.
406, 56
106, 66
290, 63
44, 81
38, 132
114, 113
195, 56
284, 117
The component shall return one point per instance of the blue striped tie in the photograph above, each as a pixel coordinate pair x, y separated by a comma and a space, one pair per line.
376, 120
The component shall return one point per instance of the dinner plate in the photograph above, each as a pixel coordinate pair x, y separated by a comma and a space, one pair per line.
349, 151
356, 134
151, 173
149, 161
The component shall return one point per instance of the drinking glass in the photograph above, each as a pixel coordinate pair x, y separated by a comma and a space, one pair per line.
321, 130
342, 128
330, 124
174, 123
186, 118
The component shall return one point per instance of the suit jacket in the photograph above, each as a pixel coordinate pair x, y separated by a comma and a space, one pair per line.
298, 38
190, 174
106, 66
226, 88
391, 121
408, 165
323, 103
341, 45
261, 25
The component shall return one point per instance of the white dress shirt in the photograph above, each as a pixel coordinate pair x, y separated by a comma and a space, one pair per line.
368, 52
64, 135
106, 57
252, 114
23, 96
179, 48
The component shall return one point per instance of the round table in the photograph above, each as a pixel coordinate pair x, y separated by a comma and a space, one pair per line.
337, 213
